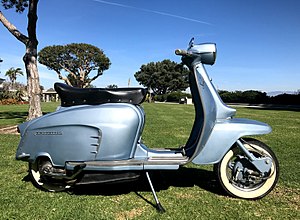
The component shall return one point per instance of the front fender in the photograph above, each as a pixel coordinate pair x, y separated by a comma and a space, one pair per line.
224, 134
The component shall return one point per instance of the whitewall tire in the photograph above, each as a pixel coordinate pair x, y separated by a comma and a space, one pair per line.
247, 186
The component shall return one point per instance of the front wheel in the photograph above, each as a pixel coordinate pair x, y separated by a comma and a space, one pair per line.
240, 178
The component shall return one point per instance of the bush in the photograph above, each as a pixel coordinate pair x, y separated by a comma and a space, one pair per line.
257, 97
160, 98
250, 96
9, 101
285, 99
172, 97
9, 95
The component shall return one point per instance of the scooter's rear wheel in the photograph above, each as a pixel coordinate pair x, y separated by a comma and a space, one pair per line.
240, 178
40, 180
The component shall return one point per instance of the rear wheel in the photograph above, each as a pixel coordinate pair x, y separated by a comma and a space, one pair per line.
240, 178
38, 172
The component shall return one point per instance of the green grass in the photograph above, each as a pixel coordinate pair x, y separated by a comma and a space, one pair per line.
190, 193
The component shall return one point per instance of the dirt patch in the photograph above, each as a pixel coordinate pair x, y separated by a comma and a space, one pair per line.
134, 213
9, 130
288, 194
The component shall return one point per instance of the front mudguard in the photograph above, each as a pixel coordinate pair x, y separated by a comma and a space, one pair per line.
224, 134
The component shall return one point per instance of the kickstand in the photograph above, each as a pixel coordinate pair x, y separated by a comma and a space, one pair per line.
158, 205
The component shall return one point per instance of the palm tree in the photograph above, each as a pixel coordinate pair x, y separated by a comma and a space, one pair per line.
12, 74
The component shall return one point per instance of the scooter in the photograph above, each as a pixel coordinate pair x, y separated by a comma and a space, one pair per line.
95, 136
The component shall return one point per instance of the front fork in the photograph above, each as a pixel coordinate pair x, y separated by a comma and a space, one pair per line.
263, 165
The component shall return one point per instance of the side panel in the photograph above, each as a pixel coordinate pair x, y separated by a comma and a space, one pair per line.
83, 133
61, 142
224, 135
121, 129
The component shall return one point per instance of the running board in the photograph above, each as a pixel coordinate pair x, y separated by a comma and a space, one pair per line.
153, 163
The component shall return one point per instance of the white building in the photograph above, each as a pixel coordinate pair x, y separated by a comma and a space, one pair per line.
1, 83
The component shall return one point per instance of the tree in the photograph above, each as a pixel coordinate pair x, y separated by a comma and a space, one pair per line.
163, 77
77, 59
30, 57
12, 74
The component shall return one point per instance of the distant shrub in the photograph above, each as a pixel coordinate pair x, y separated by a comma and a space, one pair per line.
172, 97
160, 98
249, 96
285, 99
257, 97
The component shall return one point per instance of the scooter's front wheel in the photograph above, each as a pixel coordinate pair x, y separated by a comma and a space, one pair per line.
40, 180
240, 178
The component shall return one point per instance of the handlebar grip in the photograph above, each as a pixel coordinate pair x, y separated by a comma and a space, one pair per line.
181, 52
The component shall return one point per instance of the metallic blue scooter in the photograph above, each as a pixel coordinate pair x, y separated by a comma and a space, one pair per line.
95, 136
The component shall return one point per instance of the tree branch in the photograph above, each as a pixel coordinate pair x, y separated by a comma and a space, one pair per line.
88, 82
60, 76
82, 73
13, 30
67, 70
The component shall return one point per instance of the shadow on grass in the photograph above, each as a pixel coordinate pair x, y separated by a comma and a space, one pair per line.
295, 108
277, 109
162, 180
18, 116
13, 115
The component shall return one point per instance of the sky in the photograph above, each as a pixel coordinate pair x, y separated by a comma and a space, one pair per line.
258, 41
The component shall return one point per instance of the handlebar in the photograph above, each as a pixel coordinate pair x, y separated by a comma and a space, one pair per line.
180, 52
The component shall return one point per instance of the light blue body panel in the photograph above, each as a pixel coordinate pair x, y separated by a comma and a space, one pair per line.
220, 131
224, 135
84, 133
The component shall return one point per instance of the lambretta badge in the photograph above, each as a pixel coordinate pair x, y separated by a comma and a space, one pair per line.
48, 133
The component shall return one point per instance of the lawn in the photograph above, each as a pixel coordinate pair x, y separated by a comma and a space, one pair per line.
190, 193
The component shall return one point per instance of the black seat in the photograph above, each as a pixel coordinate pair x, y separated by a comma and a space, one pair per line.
71, 96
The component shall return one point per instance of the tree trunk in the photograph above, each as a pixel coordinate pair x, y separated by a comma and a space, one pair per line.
30, 58
33, 84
